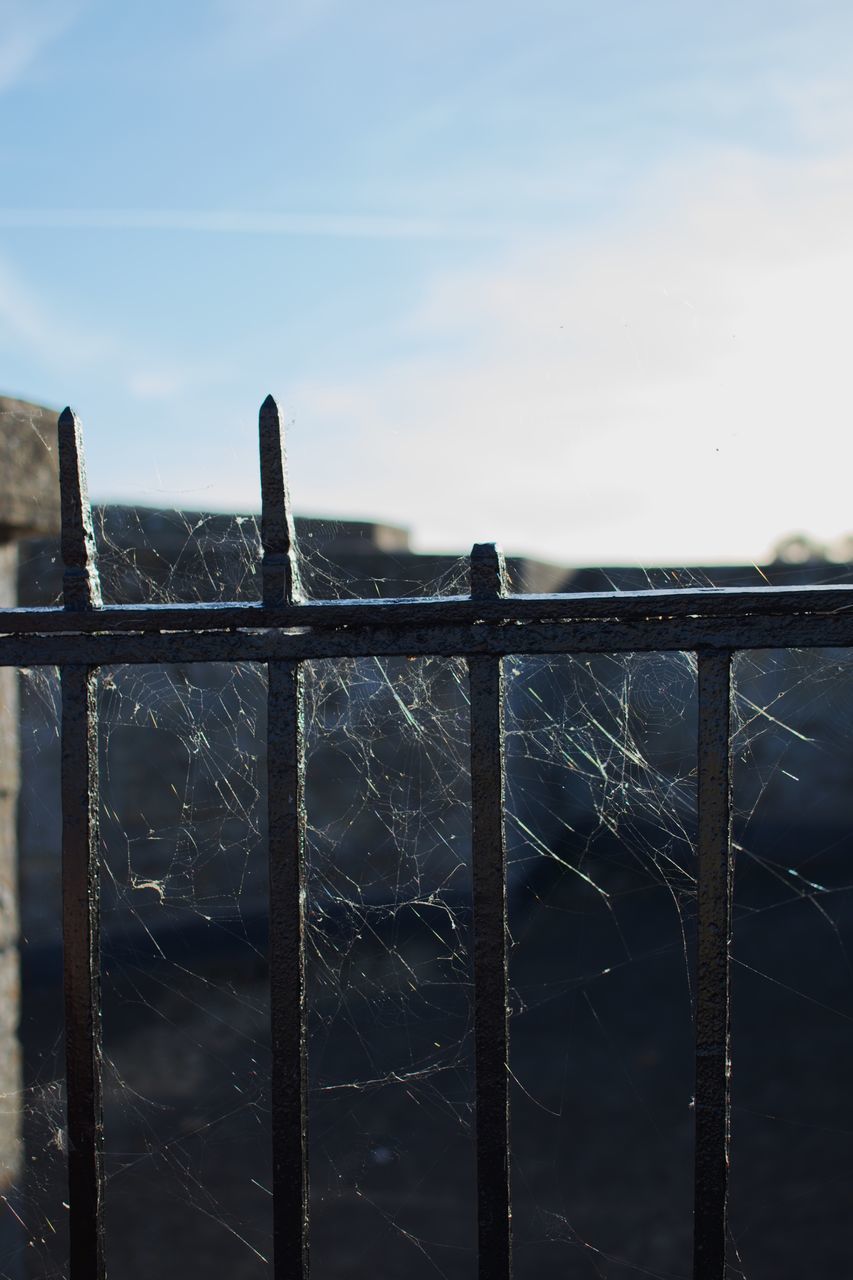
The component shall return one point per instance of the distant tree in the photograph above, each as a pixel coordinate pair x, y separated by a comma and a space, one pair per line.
799, 548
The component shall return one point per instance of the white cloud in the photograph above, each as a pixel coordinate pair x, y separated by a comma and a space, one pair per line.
252, 29
674, 388
240, 222
156, 384
69, 346
29, 323
26, 29
171, 380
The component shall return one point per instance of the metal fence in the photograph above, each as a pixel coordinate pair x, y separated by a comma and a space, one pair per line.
283, 631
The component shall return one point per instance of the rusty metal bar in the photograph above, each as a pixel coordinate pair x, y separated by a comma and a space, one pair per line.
712, 984
286, 813
80, 878
438, 640
717, 604
286, 807
491, 1024
81, 972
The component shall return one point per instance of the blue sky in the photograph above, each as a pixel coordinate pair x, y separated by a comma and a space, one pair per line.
575, 276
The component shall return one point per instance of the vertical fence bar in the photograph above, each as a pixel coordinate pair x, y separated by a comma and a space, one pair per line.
80, 877
713, 965
286, 813
285, 771
491, 1026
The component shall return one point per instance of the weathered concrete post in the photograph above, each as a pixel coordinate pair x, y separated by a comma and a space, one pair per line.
29, 504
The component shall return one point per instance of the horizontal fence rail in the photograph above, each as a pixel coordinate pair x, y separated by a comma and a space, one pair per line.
781, 604
652, 636
283, 630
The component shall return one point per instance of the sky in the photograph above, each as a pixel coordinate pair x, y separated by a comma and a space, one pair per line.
575, 277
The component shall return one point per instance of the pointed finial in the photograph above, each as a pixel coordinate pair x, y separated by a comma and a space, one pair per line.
279, 567
488, 572
81, 586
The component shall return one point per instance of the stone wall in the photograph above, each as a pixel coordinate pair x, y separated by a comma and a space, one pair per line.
29, 504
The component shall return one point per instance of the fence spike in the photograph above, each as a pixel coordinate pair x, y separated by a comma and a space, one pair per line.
81, 585
488, 571
280, 566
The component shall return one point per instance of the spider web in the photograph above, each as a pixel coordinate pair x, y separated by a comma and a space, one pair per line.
601, 828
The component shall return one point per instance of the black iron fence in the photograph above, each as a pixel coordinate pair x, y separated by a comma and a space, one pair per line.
283, 631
